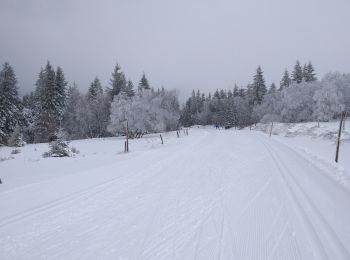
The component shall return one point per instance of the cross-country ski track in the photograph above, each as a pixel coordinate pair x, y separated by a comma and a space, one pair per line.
214, 194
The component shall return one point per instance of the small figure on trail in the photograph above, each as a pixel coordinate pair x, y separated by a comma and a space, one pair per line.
216, 125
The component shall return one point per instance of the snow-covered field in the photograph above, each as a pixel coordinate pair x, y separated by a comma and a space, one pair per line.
215, 194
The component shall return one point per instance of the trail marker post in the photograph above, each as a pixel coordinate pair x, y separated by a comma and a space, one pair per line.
271, 129
161, 138
339, 136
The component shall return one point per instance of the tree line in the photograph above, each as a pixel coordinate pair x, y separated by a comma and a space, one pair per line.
300, 97
54, 106
103, 111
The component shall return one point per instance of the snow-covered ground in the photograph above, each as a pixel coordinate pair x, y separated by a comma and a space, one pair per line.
215, 194
317, 143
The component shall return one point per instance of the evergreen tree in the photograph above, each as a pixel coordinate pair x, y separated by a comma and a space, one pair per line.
235, 91
309, 73
60, 95
129, 90
258, 87
241, 93
95, 90
58, 147
272, 88
71, 120
10, 104
98, 110
144, 83
50, 97
285, 81
297, 75
117, 82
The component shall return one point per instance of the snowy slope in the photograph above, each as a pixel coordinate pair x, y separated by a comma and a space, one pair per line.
214, 194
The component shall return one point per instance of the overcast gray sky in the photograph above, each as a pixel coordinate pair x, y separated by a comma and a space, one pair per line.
184, 44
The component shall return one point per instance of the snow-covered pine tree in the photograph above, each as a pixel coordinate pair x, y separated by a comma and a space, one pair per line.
10, 104
95, 90
285, 81
16, 140
144, 83
129, 90
235, 91
117, 82
58, 147
258, 86
98, 110
61, 94
272, 88
297, 74
50, 103
309, 72
29, 105
71, 119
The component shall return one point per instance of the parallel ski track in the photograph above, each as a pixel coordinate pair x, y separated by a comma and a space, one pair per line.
307, 208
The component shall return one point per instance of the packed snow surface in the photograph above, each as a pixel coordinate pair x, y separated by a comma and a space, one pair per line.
214, 194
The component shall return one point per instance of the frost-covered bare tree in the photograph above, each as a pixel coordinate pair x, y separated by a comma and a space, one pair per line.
146, 112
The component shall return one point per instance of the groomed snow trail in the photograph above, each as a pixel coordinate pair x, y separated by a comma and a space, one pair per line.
212, 195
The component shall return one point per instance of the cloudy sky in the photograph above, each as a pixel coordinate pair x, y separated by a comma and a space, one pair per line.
184, 44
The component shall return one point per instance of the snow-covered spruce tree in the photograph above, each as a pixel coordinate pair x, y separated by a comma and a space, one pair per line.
129, 89
258, 87
16, 139
29, 103
117, 82
235, 91
98, 107
309, 72
285, 81
50, 103
10, 104
272, 88
60, 94
71, 119
297, 74
58, 147
143, 84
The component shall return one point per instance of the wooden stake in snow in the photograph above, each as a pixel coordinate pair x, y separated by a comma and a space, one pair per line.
177, 133
338, 140
127, 137
161, 138
271, 129
0, 181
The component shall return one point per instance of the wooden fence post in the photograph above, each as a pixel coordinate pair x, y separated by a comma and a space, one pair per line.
161, 138
271, 129
338, 140
177, 133
0, 181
